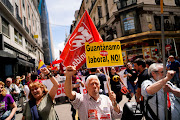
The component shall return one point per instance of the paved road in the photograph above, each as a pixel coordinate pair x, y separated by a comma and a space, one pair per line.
64, 110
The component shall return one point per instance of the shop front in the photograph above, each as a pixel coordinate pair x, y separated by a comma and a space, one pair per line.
13, 63
140, 49
148, 45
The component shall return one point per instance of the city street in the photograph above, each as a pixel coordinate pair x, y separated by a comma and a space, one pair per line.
131, 46
64, 110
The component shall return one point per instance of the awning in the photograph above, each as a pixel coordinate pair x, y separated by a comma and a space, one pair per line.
24, 63
148, 35
6, 54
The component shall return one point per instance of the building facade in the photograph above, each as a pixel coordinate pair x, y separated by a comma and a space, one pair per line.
20, 37
46, 33
136, 24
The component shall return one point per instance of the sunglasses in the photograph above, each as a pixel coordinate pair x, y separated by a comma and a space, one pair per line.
158, 71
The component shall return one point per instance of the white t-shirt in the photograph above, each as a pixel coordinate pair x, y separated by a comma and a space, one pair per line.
26, 90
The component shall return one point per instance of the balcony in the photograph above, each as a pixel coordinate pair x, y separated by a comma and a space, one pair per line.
27, 30
8, 5
92, 5
168, 25
125, 3
32, 35
19, 18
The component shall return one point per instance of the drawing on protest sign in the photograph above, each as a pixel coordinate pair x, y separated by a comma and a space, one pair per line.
103, 54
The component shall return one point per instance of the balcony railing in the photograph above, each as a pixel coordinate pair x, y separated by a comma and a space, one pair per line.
32, 35
168, 27
19, 18
124, 3
27, 30
8, 5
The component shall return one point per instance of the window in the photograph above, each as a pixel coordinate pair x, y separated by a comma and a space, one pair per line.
157, 2
17, 37
99, 12
20, 39
177, 2
24, 21
23, 4
177, 22
17, 10
5, 27
28, 12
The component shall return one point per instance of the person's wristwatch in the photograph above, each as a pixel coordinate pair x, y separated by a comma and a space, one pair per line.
49, 75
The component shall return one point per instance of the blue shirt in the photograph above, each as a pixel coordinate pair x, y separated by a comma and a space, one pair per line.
175, 101
175, 66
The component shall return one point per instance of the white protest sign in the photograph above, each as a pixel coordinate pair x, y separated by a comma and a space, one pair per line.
60, 91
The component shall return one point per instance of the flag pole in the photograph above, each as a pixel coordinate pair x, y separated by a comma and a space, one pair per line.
163, 56
107, 75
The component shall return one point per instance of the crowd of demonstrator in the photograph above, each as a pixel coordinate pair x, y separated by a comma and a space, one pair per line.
142, 78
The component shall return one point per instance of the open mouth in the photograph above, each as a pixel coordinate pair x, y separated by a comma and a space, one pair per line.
35, 94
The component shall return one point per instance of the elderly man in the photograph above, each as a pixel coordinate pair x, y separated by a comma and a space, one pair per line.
12, 89
153, 92
92, 105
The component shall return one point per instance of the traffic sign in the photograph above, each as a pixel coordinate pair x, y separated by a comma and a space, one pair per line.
168, 47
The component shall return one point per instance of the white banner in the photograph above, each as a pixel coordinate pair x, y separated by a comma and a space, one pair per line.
83, 89
61, 81
60, 91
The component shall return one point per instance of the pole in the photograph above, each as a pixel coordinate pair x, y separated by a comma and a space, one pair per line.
175, 47
163, 56
107, 75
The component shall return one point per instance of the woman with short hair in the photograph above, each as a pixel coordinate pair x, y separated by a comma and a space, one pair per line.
7, 104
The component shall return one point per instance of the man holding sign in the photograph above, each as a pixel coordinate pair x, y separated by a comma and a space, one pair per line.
92, 105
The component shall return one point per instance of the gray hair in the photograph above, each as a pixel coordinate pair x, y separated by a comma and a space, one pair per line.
91, 77
9, 78
154, 67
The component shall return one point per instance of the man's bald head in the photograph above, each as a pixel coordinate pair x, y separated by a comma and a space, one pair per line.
8, 81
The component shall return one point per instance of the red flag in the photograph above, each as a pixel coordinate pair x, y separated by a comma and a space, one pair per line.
74, 51
56, 62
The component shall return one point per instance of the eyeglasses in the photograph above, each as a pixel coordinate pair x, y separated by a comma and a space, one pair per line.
7, 81
158, 71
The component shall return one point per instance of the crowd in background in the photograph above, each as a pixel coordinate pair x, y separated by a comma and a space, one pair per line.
123, 80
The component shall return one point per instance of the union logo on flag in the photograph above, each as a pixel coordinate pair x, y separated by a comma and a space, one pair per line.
74, 51
83, 35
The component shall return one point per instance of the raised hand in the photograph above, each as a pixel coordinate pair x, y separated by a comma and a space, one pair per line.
44, 71
170, 74
112, 96
70, 71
